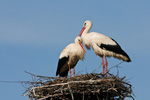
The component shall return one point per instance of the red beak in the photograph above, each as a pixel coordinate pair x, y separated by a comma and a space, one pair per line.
82, 47
82, 31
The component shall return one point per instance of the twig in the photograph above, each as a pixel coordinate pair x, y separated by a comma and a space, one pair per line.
83, 96
82, 87
97, 69
70, 92
114, 67
30, 73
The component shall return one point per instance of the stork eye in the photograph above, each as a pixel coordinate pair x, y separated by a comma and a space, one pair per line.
84, 24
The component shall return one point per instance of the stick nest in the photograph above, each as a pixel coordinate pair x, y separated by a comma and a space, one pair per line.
84, 87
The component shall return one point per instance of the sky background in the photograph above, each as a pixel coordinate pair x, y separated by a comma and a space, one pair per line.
34, 32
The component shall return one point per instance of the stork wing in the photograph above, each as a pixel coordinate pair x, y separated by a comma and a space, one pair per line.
114, 48
61, 63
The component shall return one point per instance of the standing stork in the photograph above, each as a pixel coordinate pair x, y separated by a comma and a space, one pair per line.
69, 57
102, 45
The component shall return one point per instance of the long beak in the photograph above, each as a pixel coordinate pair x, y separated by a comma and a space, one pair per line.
82, 31
82, 47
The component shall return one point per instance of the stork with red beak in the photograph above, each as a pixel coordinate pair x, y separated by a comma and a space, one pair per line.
102, 45
69, 57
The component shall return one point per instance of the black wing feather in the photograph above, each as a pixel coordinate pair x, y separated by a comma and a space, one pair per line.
115, 48
62, 62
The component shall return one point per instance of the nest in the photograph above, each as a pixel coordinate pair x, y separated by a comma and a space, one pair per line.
84, 87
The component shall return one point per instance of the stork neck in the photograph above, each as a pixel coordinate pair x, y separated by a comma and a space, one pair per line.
86, 30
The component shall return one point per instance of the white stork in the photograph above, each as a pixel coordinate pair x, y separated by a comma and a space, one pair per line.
102, 45
69, 57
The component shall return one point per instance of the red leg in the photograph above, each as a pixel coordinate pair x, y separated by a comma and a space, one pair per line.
103, 65
106, 63
74, 71
69, 70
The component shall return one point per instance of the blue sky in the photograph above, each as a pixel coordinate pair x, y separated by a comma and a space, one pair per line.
33, 34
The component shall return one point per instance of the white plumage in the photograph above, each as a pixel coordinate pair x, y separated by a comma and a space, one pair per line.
102, 45
69, 57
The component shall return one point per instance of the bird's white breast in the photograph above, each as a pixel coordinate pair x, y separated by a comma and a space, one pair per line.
73, 50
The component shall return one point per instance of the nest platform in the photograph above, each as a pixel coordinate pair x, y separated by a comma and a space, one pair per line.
91, 86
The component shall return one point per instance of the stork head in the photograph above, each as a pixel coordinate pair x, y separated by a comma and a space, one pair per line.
87, 25
79, 41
